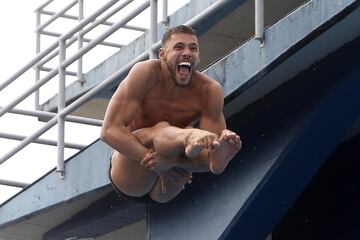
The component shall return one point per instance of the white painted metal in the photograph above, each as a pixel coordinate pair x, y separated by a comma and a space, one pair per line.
80, 36
12, 183
37, 70
165, 18
57, 15
43, 5
153, 27
61, 106
53, 46
88, 29
259, 20
40, 141
53, 34
46, 69
47, 115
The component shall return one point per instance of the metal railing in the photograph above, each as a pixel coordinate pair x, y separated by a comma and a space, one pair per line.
259, 20
60, 46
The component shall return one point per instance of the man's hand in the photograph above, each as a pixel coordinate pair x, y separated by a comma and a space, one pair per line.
157, 162
178, 176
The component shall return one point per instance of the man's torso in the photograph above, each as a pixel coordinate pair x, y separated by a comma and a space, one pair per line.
181, 110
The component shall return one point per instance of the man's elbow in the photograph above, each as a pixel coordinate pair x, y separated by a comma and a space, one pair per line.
105, 135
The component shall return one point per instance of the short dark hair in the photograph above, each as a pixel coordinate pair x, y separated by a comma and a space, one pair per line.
177, 29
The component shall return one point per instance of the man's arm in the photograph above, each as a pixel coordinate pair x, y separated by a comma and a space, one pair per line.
122, 109
212, 118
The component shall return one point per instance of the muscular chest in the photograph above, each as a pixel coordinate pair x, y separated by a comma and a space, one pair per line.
177, 111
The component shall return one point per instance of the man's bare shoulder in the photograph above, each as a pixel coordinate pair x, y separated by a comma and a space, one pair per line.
148, 67
208, 84
144, 73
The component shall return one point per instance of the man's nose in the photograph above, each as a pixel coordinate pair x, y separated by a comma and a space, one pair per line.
186, 52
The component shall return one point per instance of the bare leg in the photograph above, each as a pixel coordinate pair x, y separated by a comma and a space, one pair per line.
133, 179
172, 141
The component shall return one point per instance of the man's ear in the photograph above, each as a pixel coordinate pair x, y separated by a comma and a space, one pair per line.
161, 53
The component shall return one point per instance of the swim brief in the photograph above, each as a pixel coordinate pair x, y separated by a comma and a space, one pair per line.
146, 199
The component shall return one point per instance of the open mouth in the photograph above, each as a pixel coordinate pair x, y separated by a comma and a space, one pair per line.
184, 68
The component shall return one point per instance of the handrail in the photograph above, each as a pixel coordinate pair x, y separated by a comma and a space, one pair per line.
53, 121
40, 141
153, 27
73, 58
12, 183
84, 31
43, 5
48, 115
136, 28
53, 46
54, 17
259, 20
46, 69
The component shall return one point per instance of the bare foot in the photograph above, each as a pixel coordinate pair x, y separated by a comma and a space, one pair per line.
230, 144
198, 140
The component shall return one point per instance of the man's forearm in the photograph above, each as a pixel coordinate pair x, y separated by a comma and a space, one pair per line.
127, 144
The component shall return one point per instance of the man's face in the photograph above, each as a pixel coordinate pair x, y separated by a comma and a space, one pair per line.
181, 55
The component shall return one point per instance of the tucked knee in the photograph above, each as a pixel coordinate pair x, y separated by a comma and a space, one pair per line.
162, 124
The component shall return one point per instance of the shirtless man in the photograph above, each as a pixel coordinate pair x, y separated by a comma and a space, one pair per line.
150, 123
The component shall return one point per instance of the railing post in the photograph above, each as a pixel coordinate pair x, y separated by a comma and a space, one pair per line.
259, 20
61, 106
37, 68
165, 18
153, 27
80, 74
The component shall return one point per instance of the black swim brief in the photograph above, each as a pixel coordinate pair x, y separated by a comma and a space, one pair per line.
146, 199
